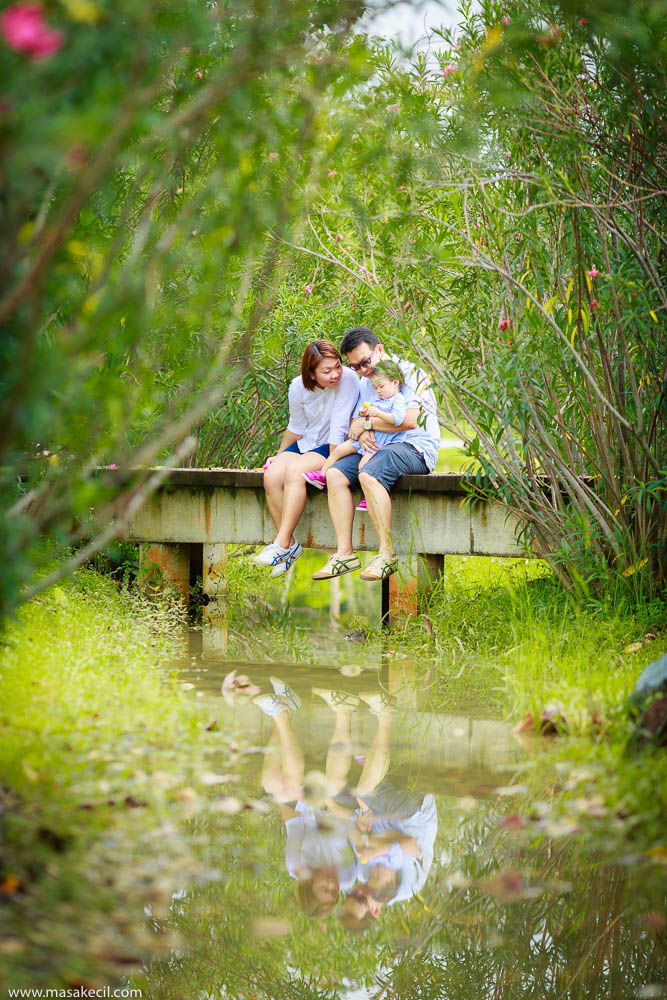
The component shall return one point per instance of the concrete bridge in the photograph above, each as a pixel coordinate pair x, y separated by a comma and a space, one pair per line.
186, 525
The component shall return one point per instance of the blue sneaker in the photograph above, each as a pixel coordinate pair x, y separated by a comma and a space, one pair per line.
271, 555
283, 690
271, 704
287, 560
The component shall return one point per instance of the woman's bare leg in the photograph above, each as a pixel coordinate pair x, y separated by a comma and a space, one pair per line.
294, 495
291, 757
274, 484
339, 755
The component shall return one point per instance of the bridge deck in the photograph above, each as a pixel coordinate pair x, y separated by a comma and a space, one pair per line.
228, 505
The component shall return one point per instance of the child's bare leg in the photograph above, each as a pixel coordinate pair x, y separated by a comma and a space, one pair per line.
340, 451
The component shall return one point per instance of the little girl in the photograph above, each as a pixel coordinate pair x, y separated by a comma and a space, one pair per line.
388, 400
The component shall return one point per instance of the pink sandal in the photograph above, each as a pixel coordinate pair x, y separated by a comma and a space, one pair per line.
316, 479
362, 505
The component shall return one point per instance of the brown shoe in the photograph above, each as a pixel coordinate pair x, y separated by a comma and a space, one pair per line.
337, 566
380, 568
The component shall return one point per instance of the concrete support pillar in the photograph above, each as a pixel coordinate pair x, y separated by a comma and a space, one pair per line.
165, 565
400, 591
214, 569
215, 635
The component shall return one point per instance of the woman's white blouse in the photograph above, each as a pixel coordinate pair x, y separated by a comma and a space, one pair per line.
322, 416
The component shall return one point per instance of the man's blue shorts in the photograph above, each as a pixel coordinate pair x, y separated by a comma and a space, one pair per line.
389, 463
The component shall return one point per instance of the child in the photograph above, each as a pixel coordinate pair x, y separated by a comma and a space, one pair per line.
388, 400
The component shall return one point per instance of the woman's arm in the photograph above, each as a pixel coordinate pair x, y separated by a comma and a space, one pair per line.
289, 437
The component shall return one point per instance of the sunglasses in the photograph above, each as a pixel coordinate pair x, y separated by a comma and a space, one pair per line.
366, 363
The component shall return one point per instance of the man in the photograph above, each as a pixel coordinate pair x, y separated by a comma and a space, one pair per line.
414, 454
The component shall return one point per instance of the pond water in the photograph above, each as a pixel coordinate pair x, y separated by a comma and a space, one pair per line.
359, 843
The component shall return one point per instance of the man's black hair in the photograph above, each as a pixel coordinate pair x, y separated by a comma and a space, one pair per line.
358, 335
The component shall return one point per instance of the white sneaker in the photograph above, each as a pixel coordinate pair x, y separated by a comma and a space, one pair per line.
272, 704
270, 555
291, 557
283, 690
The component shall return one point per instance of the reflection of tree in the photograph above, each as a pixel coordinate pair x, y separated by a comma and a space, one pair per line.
549, 922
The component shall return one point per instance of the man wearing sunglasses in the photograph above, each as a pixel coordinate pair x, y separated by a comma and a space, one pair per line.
414, 454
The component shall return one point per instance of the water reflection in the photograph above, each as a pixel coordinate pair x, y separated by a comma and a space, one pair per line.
397, 854
348, 829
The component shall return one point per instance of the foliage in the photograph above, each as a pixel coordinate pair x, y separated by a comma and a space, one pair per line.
311, 303
103, 761
508, 214
146, 158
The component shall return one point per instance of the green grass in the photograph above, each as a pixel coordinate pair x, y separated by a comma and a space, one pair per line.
103, 759
505, 634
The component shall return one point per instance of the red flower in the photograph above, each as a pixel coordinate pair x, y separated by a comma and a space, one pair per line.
505, 324
595, 304
24, 29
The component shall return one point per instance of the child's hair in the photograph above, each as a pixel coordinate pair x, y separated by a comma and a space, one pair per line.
313, 354
387, 892
387, 369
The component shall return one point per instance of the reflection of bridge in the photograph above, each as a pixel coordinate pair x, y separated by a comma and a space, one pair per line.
185, 527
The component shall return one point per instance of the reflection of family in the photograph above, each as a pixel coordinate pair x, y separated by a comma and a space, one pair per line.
368, 840
344, 432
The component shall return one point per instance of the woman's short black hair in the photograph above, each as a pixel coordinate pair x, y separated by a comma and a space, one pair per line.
358, 335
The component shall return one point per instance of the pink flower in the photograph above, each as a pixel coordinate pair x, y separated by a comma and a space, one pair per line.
582, 20
402, 187
505, 324
200, 74
179, 190
339, 237
362, 270
332, 173
407, 304
505, 19
24, 29
273, 156
593, 273
595, 304
393, 107
448, 69
308, 289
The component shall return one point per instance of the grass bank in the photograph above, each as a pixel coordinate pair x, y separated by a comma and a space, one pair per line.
104, 761
503, 636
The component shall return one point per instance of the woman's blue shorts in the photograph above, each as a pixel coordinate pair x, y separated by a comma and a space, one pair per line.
322, 450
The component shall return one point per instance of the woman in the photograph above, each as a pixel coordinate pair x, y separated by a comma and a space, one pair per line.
321, 402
